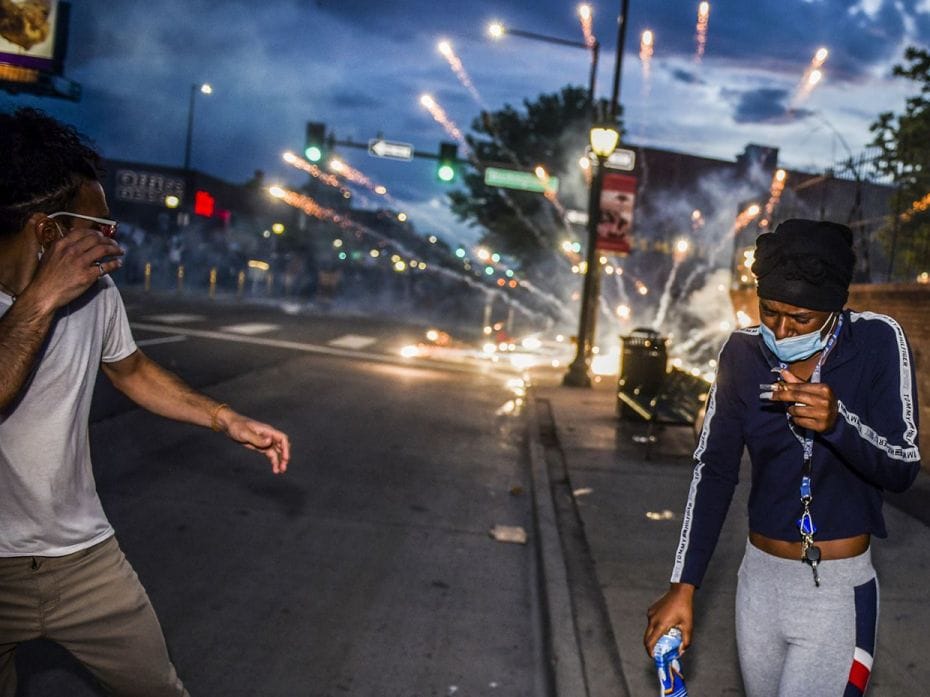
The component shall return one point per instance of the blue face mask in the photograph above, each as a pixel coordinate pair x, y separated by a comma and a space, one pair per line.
795, 348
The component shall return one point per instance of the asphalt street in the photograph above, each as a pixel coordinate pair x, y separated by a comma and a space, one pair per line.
368, 568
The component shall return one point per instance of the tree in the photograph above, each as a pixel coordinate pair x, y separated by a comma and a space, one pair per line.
904, 142
551, 131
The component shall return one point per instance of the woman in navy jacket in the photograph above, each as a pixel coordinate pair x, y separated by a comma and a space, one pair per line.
825, 401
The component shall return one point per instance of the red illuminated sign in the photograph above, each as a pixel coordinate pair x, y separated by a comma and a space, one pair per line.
204, 204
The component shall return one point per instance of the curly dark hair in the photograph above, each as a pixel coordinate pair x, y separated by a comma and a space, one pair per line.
45, 163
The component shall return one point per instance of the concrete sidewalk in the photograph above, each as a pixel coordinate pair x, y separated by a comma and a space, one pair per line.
629, 509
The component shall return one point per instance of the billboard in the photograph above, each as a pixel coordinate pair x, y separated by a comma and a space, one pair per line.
139, 186
28, 34
618, 198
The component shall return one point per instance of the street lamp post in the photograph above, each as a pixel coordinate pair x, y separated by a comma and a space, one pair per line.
203, 89
604, 141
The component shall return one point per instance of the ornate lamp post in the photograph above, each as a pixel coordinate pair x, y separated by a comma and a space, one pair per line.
604, 139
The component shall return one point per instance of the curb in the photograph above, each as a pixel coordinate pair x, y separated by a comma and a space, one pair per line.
560, 644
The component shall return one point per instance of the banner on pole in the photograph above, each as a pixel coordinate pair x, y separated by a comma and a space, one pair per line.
618, 199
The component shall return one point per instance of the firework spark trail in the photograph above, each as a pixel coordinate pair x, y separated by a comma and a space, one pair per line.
646, 49
554, 200
778, 186
745, 217
517, 210
811, 78
548, 297
621, 289
584, 15
703, 18
692, 277
309, 206
684, 347
352, 174
440, 116
918, 206
334, 181
312, 170
666, 298
522, 216
445, 48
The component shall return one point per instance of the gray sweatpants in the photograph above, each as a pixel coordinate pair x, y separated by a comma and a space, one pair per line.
796, 639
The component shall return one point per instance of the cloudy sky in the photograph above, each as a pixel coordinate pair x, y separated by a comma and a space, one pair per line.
360, 67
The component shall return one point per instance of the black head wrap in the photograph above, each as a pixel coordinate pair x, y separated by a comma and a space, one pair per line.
807, 263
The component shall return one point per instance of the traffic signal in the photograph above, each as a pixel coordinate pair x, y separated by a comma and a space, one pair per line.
447, 168
314, 146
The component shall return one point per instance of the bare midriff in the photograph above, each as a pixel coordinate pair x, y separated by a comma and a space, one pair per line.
829, 549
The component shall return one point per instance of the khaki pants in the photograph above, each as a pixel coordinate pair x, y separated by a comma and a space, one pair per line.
92, 603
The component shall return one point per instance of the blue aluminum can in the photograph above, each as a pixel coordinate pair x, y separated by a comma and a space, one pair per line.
665, 655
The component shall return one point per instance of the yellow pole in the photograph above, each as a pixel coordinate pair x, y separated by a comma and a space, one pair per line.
213, 282
148, 276
180, 277
240, 284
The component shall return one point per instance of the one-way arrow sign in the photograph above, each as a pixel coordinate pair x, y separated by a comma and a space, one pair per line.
378, 147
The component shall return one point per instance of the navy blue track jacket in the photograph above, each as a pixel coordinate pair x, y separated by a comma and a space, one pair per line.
872, 447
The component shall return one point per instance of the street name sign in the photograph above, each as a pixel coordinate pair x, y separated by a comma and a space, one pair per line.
622, 159
619, 159
378, 147
524, 181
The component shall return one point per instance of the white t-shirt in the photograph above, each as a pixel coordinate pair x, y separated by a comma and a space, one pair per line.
48, 499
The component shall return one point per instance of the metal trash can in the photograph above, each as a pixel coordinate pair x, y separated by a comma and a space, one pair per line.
643, 361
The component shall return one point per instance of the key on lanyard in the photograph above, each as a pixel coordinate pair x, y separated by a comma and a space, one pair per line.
812, 557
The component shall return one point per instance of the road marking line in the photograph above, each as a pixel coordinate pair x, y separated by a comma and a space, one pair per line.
176, 318
352, 341
316, 348
161, 340
251, 328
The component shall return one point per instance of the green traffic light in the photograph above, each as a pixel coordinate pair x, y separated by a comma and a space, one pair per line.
446, 173
313, 153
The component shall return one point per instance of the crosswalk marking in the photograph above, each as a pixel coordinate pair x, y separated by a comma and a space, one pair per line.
250, 328
352, 341
175, 318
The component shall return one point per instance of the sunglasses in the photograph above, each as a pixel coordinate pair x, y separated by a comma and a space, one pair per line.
103, 225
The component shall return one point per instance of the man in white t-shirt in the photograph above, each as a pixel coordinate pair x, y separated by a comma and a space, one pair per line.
62, 573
